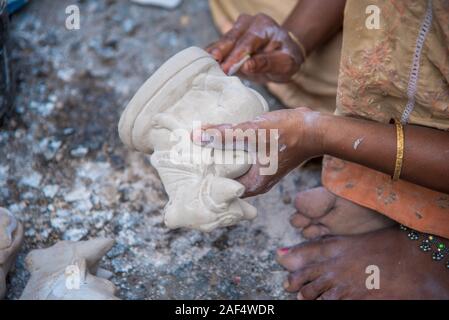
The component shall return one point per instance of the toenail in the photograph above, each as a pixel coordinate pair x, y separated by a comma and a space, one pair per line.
300, 296
283, 251
286, 284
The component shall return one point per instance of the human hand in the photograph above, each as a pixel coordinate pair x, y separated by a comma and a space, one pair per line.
291, 135
274, 55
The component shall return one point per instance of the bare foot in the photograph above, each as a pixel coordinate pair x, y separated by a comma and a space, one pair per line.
335, 268
320, 213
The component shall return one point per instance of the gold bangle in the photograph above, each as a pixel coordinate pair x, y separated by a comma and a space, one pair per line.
300, 45
399, 150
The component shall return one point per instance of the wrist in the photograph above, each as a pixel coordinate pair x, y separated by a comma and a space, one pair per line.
301, 47
314, 132
324, 125
304, 33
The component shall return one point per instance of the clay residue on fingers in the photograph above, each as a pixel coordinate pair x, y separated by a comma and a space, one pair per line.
357, 142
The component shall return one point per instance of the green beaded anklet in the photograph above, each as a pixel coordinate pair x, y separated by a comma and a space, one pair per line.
428, 243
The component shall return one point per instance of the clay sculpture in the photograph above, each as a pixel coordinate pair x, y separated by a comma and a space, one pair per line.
69, 271
11, 237
187, 90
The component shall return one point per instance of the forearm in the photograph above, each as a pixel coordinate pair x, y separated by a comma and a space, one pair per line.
313, 22
372, 144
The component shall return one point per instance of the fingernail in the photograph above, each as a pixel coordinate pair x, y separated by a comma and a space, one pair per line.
206, 138
216, 54
283, 251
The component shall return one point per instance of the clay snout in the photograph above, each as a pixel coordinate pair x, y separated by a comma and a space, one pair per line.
221, 191
217, 205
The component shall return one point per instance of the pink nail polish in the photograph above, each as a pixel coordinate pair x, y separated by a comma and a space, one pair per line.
284, 250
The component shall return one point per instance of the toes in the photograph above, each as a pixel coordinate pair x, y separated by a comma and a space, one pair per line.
300, 221
334, 293
315, 231
315, 203
348, 218
296, 280
304, 255
315, 288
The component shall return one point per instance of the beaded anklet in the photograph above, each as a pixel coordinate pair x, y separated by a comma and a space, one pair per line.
429, 243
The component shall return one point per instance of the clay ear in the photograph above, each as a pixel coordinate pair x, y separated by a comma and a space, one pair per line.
167, 121
93, 250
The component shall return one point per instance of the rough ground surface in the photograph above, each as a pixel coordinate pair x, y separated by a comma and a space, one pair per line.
66, 175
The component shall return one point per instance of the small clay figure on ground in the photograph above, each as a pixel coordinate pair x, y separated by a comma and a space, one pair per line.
69, 271
11, 237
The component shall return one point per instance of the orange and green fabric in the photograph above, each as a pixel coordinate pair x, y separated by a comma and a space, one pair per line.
398, 71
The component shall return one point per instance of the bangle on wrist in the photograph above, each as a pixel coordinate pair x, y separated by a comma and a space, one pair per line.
299, 44
399, 150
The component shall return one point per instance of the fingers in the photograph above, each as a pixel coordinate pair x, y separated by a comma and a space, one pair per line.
256, 38
248, 44
261, 62
255, 183
279, 65
242, 136
248, 35
277, 62
274, 56
221, 49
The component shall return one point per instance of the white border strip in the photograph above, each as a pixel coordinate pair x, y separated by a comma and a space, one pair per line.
414, 72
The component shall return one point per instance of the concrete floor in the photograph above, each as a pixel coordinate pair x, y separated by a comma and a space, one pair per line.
65, 174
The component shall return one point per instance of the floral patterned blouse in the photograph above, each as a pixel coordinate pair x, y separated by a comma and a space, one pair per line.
398, 68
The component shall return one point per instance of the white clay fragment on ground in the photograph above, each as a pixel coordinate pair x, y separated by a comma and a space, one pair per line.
187, 90
11, 237
168, 4
69, 271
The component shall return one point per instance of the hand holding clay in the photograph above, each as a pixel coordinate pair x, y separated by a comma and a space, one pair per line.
189, 90
11, 237
274, 55
291, 131
69, 271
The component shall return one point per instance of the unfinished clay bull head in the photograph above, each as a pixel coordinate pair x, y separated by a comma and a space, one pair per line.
188, 90
11, 237
69, 271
